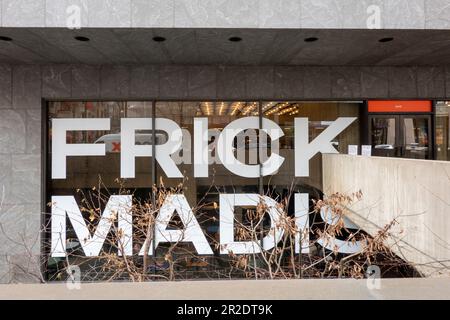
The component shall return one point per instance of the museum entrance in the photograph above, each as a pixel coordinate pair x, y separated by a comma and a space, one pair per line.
400, 129
403, 136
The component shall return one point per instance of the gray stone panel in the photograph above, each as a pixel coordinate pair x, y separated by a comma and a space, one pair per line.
5, 276
331, 14
115, 82
12, 219
26, 86
216, 13
236, 13
85, 81
57, 81
437, 14
404, 14
5, 86
402, 82
33, 127
23, 13
194, 13
109, 13
431, 82
328, 14
152, 13
374, 82
144, 82
317, 83
202, 82
279, 14
173, 82
25, 268
21, 226
26, 178
231, 82
346, 82
13, 132
289, 82
259, 82
5, 176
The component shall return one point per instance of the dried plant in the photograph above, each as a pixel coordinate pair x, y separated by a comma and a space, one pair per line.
178, 260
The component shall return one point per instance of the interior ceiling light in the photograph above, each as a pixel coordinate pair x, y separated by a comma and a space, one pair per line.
235, 39
236, 107
387, 39
159, 39
222, 107
81, 38
311, 39
3, 38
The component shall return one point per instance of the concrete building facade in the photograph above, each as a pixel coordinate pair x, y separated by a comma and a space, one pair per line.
41, 61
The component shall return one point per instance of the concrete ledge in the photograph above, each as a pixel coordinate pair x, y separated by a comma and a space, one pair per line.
323, 289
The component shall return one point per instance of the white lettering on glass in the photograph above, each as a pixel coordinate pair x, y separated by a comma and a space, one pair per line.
60, 148
166, 153
177, 203
130, 150
305, 150
117, 206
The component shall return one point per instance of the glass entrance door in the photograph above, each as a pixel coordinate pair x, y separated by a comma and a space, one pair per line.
416, 136
405, 136
384, 136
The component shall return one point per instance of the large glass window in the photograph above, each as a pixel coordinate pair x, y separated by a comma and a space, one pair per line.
87, 175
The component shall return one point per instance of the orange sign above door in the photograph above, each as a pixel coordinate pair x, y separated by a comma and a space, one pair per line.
400, 106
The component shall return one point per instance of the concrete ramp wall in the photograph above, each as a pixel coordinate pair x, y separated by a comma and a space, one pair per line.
414, 192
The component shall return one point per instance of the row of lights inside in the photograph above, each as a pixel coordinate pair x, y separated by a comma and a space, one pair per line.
162, 39
247, 109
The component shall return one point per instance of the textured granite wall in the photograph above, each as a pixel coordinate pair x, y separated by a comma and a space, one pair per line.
353, 14
23, 86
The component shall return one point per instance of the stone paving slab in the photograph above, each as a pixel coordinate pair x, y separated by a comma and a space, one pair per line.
323, 289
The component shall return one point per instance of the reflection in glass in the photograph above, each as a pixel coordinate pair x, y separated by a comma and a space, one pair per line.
383, 136
415, 137
320, 115
443, 130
